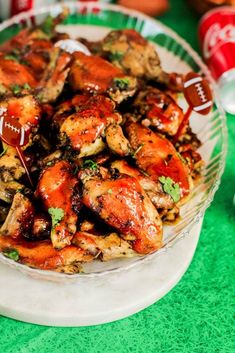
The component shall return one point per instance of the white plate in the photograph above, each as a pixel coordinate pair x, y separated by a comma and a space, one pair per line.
93, 301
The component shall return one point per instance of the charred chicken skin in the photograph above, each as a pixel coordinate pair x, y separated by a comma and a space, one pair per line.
157, 156
84, 129
105, 172
122, 203
159, 110
55, 189
93, 74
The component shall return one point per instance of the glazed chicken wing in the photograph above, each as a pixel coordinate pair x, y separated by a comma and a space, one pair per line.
157, 156
19, 219
132, 53
95, 75
53, 80
56, 188
159, 110
122, 203
107, 247
129, 51
14, 75
154, 190
84, 129
43, 255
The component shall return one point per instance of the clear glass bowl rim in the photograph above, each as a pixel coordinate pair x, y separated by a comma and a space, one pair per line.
51, 275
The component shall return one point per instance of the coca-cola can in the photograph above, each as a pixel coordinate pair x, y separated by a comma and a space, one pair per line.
217, 38
10, 8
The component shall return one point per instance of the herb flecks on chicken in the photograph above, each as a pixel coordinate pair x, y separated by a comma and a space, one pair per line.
99, 147
122, 203
84, 130
93, 74
56, 190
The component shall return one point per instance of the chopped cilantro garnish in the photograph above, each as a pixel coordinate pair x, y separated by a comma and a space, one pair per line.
16, 89
4, 151
121, 83
170, 188
12, 254
116, 56
26, 86
11, 57
90, 164
110, 191
57, 214
48, 25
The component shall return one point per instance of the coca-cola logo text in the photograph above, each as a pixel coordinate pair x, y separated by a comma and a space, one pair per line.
216, 37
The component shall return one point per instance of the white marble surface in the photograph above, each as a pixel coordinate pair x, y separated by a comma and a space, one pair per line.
92, 301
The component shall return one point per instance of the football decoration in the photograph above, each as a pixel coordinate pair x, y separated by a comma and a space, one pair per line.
11, 131
198, 95
13, 134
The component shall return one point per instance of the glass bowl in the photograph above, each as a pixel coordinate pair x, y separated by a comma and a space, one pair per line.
93, 21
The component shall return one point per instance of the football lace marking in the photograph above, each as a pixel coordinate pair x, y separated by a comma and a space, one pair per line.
192, 81
13, 128
201, 92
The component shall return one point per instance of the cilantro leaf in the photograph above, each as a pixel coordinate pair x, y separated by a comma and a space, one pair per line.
11, 57
90, 164
170, 187
16, 89
116, 56
48, 25
57, 214
4, 151
12, 254
26, 86
121, 82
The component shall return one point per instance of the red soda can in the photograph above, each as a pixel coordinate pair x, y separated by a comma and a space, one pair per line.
10, 8
217, 38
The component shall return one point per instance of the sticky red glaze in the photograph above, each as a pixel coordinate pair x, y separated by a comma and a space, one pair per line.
12, 73
198, 94
85, 126
164, 110
92, 73
41, 254
158, 157
125, 209
56, 186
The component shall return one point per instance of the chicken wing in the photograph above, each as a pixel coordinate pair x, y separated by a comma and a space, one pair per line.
43, 255
84, 129
107, 247
53, 80
154, 190
129, 51
10, 165
159, 110
122, 203
116, 140
14, 75
157, 156
56, 188
19, 220
95, 75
